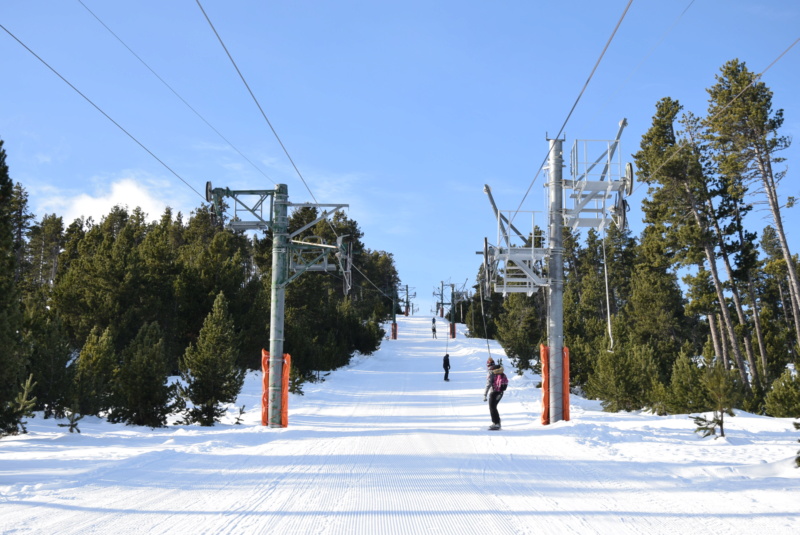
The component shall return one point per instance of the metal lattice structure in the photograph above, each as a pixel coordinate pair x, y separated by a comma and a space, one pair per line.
523, 263
290, 259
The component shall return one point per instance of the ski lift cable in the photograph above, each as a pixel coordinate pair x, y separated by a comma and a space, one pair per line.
107, 116
174, 92
274, 132
575, 105
644, 59
258, 104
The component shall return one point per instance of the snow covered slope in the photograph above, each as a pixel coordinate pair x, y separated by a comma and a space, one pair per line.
386, 446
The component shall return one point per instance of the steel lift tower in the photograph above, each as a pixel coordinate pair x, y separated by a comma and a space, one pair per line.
522, 263
290, 259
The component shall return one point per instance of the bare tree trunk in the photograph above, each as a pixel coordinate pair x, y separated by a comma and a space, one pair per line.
712, 266
786, 311
725, 360
718, 351
768, 181
726, 317
762, 347
737, 302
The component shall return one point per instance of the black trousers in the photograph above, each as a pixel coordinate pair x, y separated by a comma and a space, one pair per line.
446, 374
494, 399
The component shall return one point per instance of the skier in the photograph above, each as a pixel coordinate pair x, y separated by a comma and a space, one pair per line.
433, 327
446, 365
494, 397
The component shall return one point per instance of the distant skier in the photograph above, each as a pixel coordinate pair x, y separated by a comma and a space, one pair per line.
433, 327
446, 365
496, 395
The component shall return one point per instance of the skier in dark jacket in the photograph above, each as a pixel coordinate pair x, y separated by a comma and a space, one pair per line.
494, 397
446, 365
433, 327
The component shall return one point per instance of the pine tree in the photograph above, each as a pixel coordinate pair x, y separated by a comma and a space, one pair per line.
45, 242
521, 329
22, 406
141, 393
743, 128
11, 362
681, 191
654, 315
626, 379
210, 369
724, 391
95, 372
20, 226
46, 347
783, 399
686, 393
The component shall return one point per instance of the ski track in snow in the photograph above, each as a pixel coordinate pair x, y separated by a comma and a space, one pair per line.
386, 446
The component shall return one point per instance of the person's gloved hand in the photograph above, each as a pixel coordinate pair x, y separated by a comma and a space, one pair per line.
484, 398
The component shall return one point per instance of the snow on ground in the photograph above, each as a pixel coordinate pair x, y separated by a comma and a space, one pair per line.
386, 446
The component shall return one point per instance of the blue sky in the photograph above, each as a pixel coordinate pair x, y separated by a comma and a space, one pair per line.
402, 109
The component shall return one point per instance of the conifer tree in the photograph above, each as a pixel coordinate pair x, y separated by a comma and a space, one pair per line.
22, 406
654, 315
141, 393
20, 226
680, 190
686, 393
45, 242
11, 362
724, 391
45, 345
484, 309
783, 399
94, 372
625, 379
521, 329
743, 128
210, 369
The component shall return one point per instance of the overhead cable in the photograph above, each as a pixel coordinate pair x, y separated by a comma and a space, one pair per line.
263, 114
569, 115
275, 133
107, 116
173, 90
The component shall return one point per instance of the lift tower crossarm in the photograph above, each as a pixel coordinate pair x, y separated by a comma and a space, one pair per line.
324, 215
285, 251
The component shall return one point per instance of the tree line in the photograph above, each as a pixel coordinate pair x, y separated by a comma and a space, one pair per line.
704, 311
96, 316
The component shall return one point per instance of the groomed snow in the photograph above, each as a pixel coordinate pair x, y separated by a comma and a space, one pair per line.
386, 446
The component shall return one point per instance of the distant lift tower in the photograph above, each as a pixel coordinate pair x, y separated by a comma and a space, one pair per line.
290, 259
522, 263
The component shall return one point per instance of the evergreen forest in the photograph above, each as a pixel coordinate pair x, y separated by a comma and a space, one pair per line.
698, 313
96, 316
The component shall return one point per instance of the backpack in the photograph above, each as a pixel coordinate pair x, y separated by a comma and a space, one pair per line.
499, 382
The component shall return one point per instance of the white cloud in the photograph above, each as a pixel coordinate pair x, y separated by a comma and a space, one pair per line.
129, 191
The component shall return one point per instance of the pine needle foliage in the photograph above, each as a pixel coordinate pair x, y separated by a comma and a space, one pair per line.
72, 421
625, 379
724, 391
141, 393
95, 372
783, 400
686, 393
21, 407
209, 369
